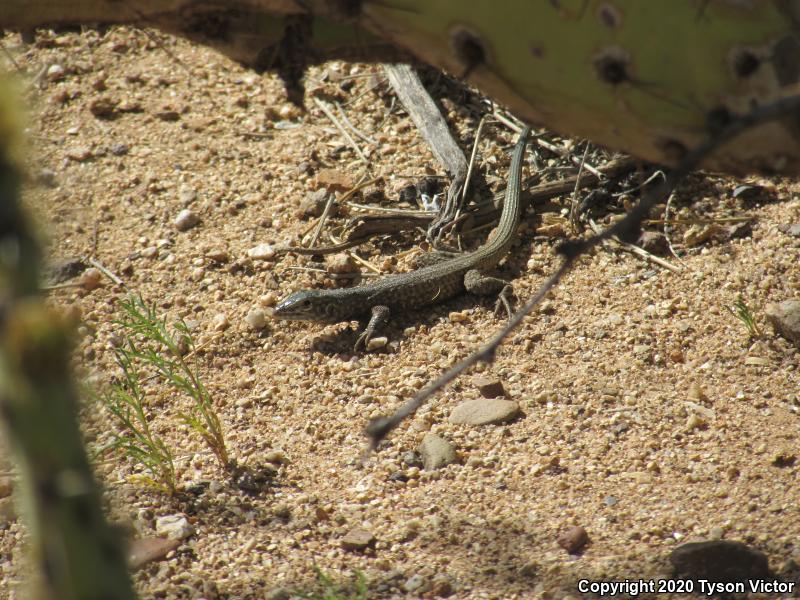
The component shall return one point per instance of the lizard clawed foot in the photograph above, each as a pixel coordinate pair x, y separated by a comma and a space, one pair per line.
362, 341
504, 301
378, 318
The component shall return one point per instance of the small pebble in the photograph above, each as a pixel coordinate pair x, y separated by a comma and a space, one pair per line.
261, 252
314, 203
412, 459
289, 111
695, 421
174, 527
275, 456
484, 412
187, 195
218, 255
436, 452
146, 550
489, 387
119, 149
358, 540
341, 263
697, 393
335, 179
90, 279
79, 153
185, 220
573, 539
653, 242
377, 343
414, 584
256, 319
55, 72
220, 322
103, 107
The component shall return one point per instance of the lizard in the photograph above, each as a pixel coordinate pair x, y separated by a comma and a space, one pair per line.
428, 285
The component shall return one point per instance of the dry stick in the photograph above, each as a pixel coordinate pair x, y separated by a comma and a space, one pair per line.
698, 221
331, 197
352, 127
457, 216
645, 183
322, 249
638, 250
471, 164
400, 212
432, 127
667, 229
626, 229
105, 271
366, 263
563, 152
328, 113
349, 194
322, 219
380, 83
573, 208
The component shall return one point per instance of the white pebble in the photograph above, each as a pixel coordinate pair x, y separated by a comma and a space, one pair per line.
256, 319
376, 343
174, 527
185, 220
220, 322
261, 252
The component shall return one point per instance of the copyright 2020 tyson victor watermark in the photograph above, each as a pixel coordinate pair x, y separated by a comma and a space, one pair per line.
634, 587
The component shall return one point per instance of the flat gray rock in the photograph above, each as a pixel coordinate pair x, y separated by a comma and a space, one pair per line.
485, 412
358, 540
436, 452
785, 318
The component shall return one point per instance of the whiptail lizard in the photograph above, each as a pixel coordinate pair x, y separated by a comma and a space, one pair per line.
428, 285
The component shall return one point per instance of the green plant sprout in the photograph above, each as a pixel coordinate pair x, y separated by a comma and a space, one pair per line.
150, 342
741, 311
125, 400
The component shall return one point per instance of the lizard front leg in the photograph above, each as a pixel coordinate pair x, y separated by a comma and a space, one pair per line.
477, 283
380, 314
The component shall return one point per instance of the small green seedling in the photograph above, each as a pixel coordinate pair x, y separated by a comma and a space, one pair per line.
150, 344
741, 311
125, 400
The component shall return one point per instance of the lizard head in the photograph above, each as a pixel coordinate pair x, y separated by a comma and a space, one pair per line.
308, 305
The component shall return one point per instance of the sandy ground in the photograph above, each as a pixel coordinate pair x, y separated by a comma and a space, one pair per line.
645, 418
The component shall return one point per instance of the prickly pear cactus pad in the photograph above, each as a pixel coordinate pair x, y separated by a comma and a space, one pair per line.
653, 78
